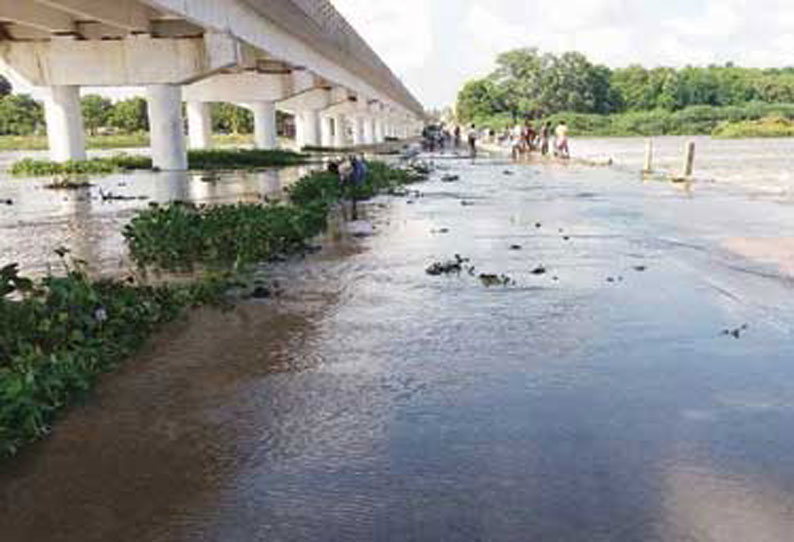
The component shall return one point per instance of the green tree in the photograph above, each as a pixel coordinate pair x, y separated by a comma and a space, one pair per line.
478, 99
130, 116
96, 112
231, 119
20, 115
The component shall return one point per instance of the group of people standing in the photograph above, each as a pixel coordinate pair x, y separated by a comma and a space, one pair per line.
526, 139
522, 139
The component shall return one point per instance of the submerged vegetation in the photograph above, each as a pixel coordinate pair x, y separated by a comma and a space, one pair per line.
58, 335
197, 159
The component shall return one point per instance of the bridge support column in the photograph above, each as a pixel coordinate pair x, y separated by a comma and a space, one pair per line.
65, 124
379, 131
265, 136
359, 137
340, 129
166, 127
326, 132
369, 131
307, 126
199, 125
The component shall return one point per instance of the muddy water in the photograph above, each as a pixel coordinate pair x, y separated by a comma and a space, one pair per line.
42, 219
374, 402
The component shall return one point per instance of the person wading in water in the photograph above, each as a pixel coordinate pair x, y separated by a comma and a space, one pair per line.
545, 134
561, 141
352, 176
473, 141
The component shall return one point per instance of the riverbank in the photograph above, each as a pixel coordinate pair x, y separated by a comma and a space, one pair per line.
695, 120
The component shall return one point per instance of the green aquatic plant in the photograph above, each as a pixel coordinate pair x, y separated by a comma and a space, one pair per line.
58, 335
180, 236
197, 160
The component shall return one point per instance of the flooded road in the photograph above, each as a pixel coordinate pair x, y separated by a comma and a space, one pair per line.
601, 400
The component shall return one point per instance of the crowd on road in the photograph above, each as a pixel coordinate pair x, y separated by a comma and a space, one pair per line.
522, 140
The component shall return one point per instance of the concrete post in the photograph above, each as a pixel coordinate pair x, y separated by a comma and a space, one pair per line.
340, 127
648, 164
265, 136
64, 119
689, 159
307, 126
199, 125
166, 127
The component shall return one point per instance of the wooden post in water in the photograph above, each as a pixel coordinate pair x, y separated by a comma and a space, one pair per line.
689, 160
648, 167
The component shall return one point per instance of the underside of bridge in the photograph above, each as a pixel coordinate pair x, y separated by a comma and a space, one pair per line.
297, 56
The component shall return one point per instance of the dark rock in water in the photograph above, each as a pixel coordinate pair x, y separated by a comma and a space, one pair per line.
440, 230
736, 333
610, 279
261, 292
450, 178
538, 225
566, 238
489, 280
640, 268
516, 247
555, 278
467, 203
448, 267
539, 270
507, 172
410, 202
7, 201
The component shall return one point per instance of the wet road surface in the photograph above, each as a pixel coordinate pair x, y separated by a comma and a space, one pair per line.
600, 401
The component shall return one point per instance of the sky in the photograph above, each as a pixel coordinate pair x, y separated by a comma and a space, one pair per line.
435, 46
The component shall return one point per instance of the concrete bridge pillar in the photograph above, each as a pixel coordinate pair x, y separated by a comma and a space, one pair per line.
327, 132
199, 125
379, 130
358, 131
340, 135
307, 126
65, 123
369, 131
265, 136
167, 130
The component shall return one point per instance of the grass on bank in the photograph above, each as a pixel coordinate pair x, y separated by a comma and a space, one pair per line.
115, 141
58, 335
197, 160
766, 127
694, 120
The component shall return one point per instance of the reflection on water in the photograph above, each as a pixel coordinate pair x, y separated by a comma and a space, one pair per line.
371, 401
41, 220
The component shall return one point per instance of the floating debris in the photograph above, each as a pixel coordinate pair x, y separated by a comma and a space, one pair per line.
448, 267
110, 196
467, 203
516, 247
449, 178
440, 231
67, 183
640, 268
508, 172
538, 225
736, 333
539, 270
8, 201
566, 237
489, 280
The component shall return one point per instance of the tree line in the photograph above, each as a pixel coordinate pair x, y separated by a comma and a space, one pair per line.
527, 83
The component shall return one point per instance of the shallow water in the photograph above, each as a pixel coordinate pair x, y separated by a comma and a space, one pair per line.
374, 402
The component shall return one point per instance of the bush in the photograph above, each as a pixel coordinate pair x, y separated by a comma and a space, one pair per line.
774, 126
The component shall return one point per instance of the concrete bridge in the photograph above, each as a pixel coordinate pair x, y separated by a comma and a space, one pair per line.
297, 56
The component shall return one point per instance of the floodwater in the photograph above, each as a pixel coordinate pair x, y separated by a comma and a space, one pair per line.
600, 401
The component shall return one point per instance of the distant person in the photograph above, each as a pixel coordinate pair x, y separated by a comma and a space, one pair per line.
545, 134
561, 149
458, 139
473, 135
